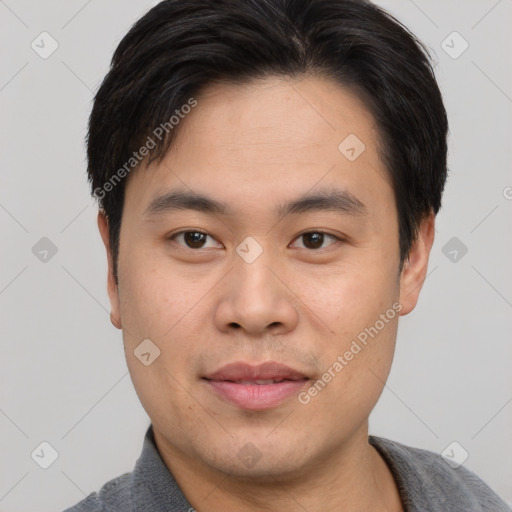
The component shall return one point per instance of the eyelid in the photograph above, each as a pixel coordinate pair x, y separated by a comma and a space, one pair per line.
188, 230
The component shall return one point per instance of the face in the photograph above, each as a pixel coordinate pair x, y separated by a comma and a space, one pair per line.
272, 302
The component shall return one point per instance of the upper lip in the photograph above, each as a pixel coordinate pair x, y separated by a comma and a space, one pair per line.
270, 370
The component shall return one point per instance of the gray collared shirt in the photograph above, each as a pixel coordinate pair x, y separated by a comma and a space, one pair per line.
425, 481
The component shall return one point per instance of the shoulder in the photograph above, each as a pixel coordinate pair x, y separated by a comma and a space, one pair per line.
427, 482
113, 496
150, 486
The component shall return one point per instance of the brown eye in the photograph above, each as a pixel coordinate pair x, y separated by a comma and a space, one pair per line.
193, 239
315, 239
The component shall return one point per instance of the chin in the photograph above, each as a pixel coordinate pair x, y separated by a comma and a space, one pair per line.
256, 458
269, 469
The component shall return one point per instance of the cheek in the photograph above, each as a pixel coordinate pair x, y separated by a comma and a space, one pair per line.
349, 298
359, 308
354, 376
164, 305
162, 393
159, 304
157, 298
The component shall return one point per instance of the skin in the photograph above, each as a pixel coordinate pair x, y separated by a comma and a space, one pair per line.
255, 147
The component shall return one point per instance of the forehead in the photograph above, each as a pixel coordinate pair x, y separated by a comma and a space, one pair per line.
271, 135
271, 120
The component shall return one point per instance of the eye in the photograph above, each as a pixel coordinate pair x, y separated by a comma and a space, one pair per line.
193, 239
315, 239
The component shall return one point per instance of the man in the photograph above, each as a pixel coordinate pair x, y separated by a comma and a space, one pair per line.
268, 174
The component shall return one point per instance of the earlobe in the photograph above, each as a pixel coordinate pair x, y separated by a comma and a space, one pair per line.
415, 267
112, 288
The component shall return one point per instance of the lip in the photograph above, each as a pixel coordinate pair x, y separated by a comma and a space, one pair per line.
246, 372
236, 383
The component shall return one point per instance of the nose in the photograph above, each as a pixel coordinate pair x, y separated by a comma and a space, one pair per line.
257, 299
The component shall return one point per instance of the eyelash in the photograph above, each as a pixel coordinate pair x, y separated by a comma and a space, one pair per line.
329, 235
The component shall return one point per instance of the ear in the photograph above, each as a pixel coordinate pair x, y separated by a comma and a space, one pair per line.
415, 266
112, 288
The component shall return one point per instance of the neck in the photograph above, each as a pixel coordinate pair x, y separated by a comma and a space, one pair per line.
352, 477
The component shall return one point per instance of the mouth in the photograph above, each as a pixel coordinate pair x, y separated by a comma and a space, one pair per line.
260, 387
260, 382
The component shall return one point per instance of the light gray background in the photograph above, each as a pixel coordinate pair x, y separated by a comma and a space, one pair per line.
63, 375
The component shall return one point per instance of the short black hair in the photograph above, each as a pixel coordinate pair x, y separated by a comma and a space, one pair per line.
180, 47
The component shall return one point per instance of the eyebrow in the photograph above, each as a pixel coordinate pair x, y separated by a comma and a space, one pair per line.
329, 199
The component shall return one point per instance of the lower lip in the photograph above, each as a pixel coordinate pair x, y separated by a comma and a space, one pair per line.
257, 396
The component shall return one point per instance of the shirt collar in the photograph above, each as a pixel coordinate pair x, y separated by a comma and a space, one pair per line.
154, 489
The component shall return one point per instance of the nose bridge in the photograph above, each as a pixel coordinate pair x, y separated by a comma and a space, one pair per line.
255, 284
256, 299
